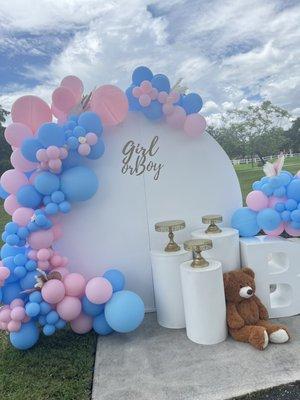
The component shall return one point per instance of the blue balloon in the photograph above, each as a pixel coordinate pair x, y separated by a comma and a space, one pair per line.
280, 192
245, 221
36, 297
153, 111
65, 207
26, 337
1, 295
10, 292
9, 263
31, 265
7, 251
79, 131
91, 122
74, 159
52, 317
42, 320
58, 196
90, 308
286, 216
51, 208
32, 309
267, 189
29, 149
286, 177
125, 311
161, 83
295, 215
97, 150
3, 193
101, 326
116, 278
133, 102
141, 74
256, 185
291, 205
46, 183
20, 272
48, 330
268, 219
293, 190
280, 207
192, 103
60, 324
45, 308
11, 227
28, 281
79, 183
29, 197
51, 134
295, 225
276, 182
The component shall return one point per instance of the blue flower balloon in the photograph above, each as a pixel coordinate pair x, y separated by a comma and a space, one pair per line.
161, 83
141, 74
91, 122
192, 103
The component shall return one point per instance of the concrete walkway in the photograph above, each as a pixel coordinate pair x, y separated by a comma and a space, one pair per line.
154, 363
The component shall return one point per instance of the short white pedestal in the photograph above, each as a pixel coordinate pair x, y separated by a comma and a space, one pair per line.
167, 287
225, 248
204, 302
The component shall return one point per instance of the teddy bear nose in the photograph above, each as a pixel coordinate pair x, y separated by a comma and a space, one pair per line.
249, 291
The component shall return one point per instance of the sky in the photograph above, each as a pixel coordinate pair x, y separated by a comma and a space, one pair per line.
232, 53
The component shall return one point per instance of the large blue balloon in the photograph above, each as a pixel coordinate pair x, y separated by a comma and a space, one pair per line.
161, 83
141, 74
51, 134
116, 278
153, 111
245, 221
125, 311
268, 219
133, 102
293, 190
97, 150
101, 326
46, 183
29, 149
73, 160
28, 281
91, 122
7, 251
26, 337
28, 196
3, 193
192, 103
90, 308
79, 183
10, 292
9, 263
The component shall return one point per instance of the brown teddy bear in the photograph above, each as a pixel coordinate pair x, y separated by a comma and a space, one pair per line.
247, 317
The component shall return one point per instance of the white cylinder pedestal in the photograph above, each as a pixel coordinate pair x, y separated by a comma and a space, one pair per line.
204, 302
226, 247
167, 287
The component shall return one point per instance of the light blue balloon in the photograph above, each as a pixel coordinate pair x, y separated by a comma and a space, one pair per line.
267, 189
245, 221
256, 185
153, 111
45, 307
293, 190
286, 216
90, 308
291, 204
9, 263
101, 326
51, 134
125, 311
91, 122
26, 337
28, 281
280, 207
141, 74
280, 192
29, 149
97, 150
295, 215
79, 183
192, 103
161, 83
29, 197
286, 177
65, 207
268, 219
11, 227
52, 317
133, 102
116, 278
36, 297
20, 272
32, 309
10, 292
295, 225
275, 182
60, 324
8, 251
46, 183
3, 193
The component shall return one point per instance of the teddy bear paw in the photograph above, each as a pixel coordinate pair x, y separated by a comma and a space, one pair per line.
266, 340
279, 336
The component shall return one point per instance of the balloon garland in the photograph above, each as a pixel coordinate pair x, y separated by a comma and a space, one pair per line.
37, 289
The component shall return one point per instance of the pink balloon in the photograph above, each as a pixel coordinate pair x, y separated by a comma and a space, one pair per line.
274, 200
63, 99
74, 284
14, 326
4, 272
31, 111
5, 314
57, 231
162, 97
91, 138
53, 291
56, 260
20, 163
194, 125
84, 149
63, 271
136, 91
257, 200
12, 180
146, 87
22, 215
168, 108
98, 290
144, 100
55, 165
17, 303
82, 324
69, 308
74, 84
16, 133
41, 239
60, 115
276, 232
52, 152
43, 254
11, 204
110, 103
292, 231
177, 118
18, 313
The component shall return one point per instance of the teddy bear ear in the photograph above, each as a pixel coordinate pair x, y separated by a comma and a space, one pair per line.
248, 271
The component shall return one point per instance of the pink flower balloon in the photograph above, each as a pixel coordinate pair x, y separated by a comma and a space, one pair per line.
98, 290
84, 149
276, 232
17, 303
110, 103
18, 313
31, 111
257, 200
74, 284
91, 138
162, 97
52, 152
194, 125
74, 84
12, 180
69, 308
136, 91
53, 291
13, 326
63, 99
22, 215
177, 118
16, 133
146, 87
41, 239
82, 324
20, 163
145, 100
11, 204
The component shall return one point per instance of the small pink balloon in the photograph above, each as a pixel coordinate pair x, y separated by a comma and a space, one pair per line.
153, 94
98, 290
63, 99
52, 152
12, 180
276, 232
43, 265
146, 87
74, 284
63, 152
168, 108
74, 84
65, 261
257, 200
194, 125
145, 100
162, 97
31, 111
41, 239
55, 165
110, 103
53, 291
56, 260
5, 315
14, 326
11, 204
32, 254
63, 271
274, 200
17, 303
57, 231
84, 149
177, 118
16, 133
69, 308
18, 313
292, 231
4, 272
43, 254
41, 155
22, 216
82, 324
136, 91
174, 97
20, 163
91, 138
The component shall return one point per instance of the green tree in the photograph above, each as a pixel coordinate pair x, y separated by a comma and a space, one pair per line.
293, 136
5, 149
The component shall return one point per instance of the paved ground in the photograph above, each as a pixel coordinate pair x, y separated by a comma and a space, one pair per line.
154, 363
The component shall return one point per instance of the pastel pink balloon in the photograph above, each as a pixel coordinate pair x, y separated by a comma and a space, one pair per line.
74, 284
60, 115
63, 271
63, 99
20, 163
174, 97
31, 111
57, 231
144, 100
84, 149
153, 94
276, 232
257, 200
82, 324
110, 103
98, 290
4, 272
162, 97
22, 215
16, 133
146, 87
32, 254
177, 118
69, 308
91, 138
56, 260
136, 91
43, 254
74, 84
274, 200
53, 291
12, 180
14, 326
18, 313
5, 315
291, 231
11, 204
17, 303
194, 125
41, 155
43, 265
168, 108
63, 152
53, 152
41, 239
55, 165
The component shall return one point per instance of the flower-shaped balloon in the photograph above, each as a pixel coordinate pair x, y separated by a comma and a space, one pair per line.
145, 93
83, 143
51, 158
